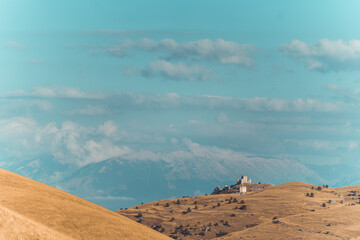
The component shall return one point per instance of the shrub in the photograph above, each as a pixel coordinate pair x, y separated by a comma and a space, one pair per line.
243, 207
221, 233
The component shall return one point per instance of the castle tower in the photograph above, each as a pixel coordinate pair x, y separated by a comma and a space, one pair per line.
242, 190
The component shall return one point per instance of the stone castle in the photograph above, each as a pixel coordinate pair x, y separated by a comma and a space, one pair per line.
243, 180
239, 187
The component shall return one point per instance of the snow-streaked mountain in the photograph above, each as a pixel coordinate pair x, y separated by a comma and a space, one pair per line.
117, 183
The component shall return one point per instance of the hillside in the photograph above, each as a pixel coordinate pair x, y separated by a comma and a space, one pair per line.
32, 210
280, 212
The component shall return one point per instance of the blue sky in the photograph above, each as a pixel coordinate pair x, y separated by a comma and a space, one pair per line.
84, 81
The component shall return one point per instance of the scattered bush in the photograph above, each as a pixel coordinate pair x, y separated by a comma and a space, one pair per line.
243, 207
221, 233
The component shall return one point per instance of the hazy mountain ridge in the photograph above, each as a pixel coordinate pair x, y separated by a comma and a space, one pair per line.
135, 181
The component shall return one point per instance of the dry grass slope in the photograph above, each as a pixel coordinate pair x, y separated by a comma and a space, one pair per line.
32, 210
280, 212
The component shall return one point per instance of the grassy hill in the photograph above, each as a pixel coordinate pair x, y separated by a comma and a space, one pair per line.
32, 210
280, 212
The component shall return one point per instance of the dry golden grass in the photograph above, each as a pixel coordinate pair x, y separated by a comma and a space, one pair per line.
297, 216
32, 210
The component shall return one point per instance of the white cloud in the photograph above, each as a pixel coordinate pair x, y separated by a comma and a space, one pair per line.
109, 129
57, 92
177, 71
325, 54
347, 93
36, 61
69, 143
14, 45
112, 102
221, 51
324, 145
222, 118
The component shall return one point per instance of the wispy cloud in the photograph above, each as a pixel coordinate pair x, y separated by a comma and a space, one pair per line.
123, 100
325, 55
114, 32
15, 45
220, 51
177, 71
37, 61
56, 92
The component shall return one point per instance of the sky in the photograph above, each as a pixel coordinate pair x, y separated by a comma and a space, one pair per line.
85, 81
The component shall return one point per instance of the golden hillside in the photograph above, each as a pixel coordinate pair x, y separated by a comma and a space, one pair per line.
280, 212
32, 210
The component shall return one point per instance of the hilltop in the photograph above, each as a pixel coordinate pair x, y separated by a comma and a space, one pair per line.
292, 210
32, 210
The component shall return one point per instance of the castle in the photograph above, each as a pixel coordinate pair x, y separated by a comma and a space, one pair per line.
243, 180
239, 187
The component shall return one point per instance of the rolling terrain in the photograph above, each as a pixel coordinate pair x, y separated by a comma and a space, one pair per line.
289, 211
32, 210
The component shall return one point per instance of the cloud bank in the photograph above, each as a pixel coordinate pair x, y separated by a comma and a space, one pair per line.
325, 55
